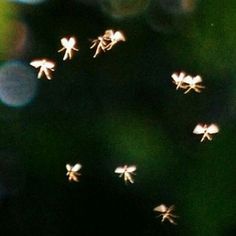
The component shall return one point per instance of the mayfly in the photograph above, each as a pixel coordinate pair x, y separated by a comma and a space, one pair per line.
206, 130
166, 213
193, 83
127, 172
44, 66
69, 46
72, 172
178, 79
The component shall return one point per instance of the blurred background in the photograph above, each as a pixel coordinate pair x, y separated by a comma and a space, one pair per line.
119, 108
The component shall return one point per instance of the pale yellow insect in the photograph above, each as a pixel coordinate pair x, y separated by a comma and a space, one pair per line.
69, 46
193, 83
44, 66
127, 172
106, 41
166, 213
72, 172
206, 130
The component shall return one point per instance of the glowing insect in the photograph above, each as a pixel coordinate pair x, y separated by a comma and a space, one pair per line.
193, 83
69, 46
206, 130
72, 172
127, 171
44, 66
113, 37
101, 44
107, 41
166, 213
178, 79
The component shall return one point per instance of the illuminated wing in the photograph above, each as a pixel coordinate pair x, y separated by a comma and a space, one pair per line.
197, 79
72, 42
49, 64
68, 167
199, 129
212, 129
65, 42
118, 36
36, 63
160, 208
119, 170
188, 79
108, 34
131, 169
76, 167
178, 78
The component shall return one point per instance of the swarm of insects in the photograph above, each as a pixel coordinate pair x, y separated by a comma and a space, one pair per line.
44, 66
127, 172
106, 41
69, 46
187, 82
206, 130
72, 172
165, 213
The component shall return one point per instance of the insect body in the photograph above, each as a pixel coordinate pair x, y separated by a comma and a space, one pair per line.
44, 66
69, 46
127, 172
178, 79
72, 172
206, 130
166, 213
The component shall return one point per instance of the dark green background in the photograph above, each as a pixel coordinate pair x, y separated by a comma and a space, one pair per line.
122, 108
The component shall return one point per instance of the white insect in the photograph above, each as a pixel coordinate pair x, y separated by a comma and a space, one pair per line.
69, 46
166, 213
107, 41
44, 66
127, 171
193, 83
206, 130
113, 37
101, 44
72, 172
178, 79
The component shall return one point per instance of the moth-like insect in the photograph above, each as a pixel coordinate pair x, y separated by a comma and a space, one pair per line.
127, 172
69, 46
193, 83
206, 130
178, 79
106, 41
166, 213
44, 66
72, 172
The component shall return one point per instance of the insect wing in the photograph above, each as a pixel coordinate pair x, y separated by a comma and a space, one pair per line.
71, 42
131, 169
178, 78
212, 129
68, 167
199, 129
160, 208
65, 42
49, 64
76, 167
197, 79
36, 63
118, 36
119, 170
188, 79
